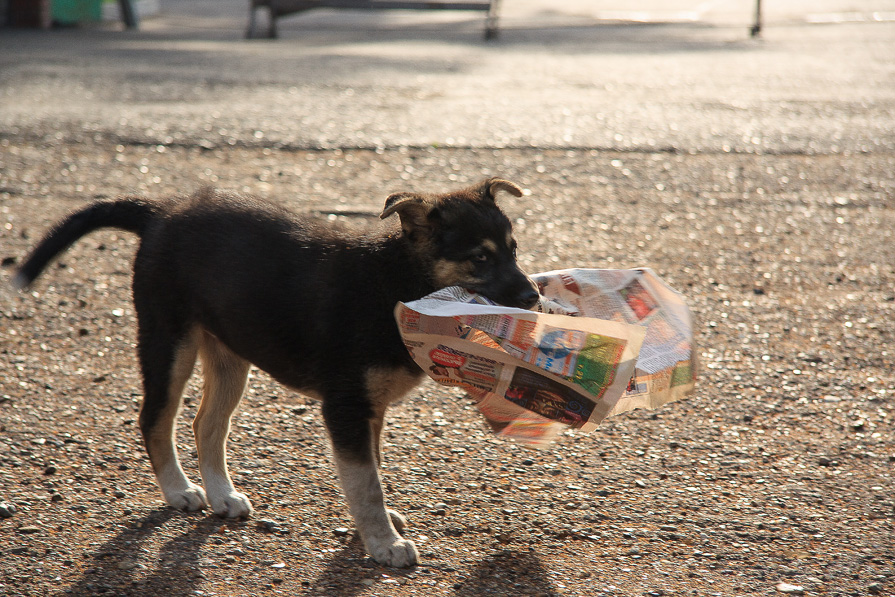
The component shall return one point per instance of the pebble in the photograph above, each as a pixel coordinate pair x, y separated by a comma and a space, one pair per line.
789, 589
668, 527
271, 526
29, 530
7, 510
340, 531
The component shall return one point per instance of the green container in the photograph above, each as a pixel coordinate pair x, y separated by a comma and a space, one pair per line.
68, 12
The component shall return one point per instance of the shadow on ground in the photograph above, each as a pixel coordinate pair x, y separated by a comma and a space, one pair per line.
114, 568
503, 573
508, 572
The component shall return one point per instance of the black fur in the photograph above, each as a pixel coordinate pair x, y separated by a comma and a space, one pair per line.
131, 214
306, 302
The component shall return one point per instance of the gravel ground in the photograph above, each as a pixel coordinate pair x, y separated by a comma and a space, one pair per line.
775, 477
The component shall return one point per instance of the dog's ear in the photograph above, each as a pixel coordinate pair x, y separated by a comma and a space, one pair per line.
413, 209
404, 203
489, 188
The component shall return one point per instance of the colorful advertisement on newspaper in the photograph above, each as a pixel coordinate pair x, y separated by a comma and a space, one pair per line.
604, 342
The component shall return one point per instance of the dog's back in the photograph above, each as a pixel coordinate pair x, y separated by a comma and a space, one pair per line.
302, 299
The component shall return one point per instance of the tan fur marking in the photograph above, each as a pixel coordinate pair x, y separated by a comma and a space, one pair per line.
384, 387
453, 273
363, 492
161, 445
489, 245
225, 381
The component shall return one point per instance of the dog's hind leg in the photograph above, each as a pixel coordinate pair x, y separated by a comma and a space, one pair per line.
167, 362
225, 381
354, 447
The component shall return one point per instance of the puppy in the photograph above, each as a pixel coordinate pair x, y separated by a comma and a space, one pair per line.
236, 281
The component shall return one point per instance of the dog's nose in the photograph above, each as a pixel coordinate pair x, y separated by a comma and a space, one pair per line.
528, 298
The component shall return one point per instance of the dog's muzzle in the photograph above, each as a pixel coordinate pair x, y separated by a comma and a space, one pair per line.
528, 297
523, 294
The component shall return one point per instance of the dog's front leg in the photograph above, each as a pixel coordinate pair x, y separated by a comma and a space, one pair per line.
354, 449
376, 425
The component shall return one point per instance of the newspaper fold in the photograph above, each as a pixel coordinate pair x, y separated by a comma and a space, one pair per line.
601, 343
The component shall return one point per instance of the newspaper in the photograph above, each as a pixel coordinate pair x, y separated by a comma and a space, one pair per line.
599, 343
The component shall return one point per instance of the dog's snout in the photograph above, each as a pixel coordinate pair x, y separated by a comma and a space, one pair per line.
528, 297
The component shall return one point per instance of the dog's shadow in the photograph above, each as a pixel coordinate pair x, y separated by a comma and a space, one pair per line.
114, 567
507, 572
503, 573
350, 571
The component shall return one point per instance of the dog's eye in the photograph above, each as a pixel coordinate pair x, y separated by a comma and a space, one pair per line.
480, 258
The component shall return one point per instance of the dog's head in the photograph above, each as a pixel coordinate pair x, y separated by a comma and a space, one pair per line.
466, 240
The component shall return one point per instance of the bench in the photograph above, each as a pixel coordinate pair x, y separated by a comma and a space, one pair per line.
281, 8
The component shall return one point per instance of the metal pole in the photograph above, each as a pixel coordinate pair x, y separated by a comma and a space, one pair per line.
129, 14
756, 26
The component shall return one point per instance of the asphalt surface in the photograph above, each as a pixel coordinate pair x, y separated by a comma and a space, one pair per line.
757, 176
685, 76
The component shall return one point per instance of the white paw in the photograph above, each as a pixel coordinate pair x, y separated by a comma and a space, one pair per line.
191, 498
232, 505
399, 553
398, 521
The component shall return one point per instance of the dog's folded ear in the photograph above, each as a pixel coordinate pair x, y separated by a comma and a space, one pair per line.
403, 203
489, 188
412, 208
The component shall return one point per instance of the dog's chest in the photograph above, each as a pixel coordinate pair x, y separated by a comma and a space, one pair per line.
386, 385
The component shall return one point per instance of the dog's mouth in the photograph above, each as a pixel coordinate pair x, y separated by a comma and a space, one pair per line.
525, 300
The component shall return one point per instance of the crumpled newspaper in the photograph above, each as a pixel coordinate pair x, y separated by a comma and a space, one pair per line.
600, 342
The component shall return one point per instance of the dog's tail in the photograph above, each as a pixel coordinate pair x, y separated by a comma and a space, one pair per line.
130, 213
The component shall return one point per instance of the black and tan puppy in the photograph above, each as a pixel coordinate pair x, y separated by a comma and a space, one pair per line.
236, 281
